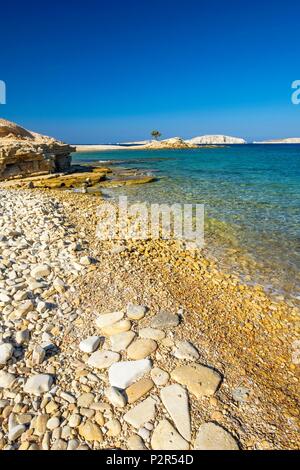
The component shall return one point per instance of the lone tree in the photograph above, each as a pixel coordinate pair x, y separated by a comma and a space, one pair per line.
156, 134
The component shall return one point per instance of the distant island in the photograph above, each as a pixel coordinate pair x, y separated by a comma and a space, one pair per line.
291, 140
216, 140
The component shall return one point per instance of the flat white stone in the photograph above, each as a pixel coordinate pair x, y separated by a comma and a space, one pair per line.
159, 376
4, 298
210, 436
185, 350
6, 352
103, 359
175, 400
90, 344
115, 397
151, 333
141, 413
39, 271
16, 432
6, 379
108, 319
123, 374
136, 312
38, 384
165, 437
121, 341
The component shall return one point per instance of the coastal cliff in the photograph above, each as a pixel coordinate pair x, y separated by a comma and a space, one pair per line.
24, 153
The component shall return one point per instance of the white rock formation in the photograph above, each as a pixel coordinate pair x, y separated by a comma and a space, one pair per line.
215, 140
24, 153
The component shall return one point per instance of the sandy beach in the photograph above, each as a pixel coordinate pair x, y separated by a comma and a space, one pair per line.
224, 335
106, 147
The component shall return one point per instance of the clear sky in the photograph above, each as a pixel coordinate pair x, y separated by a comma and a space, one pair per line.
105, 71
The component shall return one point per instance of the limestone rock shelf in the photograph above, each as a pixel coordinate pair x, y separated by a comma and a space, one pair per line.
25, 153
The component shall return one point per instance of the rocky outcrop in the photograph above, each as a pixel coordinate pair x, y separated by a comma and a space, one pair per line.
216, 140
26, 153
173, 143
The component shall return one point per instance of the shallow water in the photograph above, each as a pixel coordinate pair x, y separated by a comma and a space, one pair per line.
252, 201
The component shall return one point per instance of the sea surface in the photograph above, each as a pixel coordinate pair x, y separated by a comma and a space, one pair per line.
252, 203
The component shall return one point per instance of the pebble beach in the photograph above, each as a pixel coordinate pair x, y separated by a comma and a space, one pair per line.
133, 345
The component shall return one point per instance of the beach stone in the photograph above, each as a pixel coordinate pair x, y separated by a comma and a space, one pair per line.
99, 418
241, 394
123, 374
108, 319
103, 359
85, 260
144, 433
6, 352
74, 420
85, 400
135, 442
199, 380
185, 350
38, 384
121, 341
113, 427
59, 286
4, 298
24, 308
165, 320
210, 436
175, 399
90, 431
38, 355
53, 423
90, 344
141, 348
152, 333
59, 444
41, 423
6, 379
139, 389
22, 336
16, 432
39, 271
115, 397
73, 444
141, 413
165, 437
159, 376
136, 312
119, 327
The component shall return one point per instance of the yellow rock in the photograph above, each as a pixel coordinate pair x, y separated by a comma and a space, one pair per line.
141, 348
199, 380
119, 327
90, 431
99, 418
139, 389
51, 407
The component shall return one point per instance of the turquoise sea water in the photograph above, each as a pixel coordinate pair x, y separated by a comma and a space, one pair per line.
252, 200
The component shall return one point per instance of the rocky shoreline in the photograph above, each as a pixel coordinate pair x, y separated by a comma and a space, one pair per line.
133, 345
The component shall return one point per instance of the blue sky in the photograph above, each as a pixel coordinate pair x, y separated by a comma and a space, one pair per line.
97, 71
